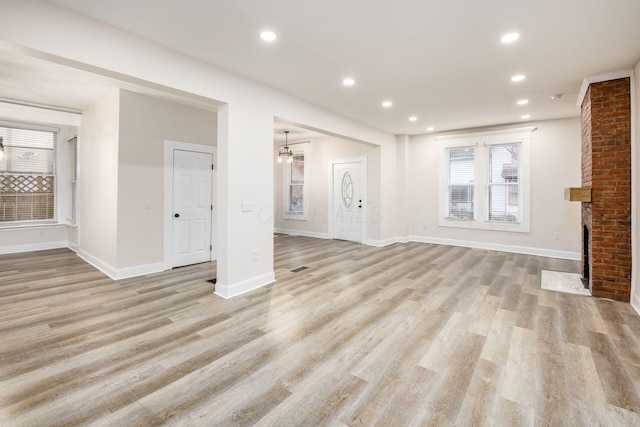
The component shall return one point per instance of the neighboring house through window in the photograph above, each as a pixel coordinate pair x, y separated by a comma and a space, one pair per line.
484, 180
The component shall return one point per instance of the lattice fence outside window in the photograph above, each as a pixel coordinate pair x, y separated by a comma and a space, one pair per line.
27, 197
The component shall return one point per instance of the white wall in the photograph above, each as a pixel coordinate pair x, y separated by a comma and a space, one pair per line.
145, 123
635, 186
555, 165
404, 187
319, 153
98, 181
27, 239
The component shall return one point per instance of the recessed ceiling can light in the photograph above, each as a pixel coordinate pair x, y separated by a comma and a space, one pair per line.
268, 36
510, 38
522, 102
348, 81
517, 78
525, 117
413, 118
556, 97
387, 104
430, 129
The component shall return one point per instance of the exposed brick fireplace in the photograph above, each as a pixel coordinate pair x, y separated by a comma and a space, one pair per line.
606, 168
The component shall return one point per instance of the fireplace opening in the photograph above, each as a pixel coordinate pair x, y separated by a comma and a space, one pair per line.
585, 257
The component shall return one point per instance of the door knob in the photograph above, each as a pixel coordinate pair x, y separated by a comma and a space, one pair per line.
177, 215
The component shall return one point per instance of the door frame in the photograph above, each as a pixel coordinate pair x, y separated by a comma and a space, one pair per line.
167, 212
363, 217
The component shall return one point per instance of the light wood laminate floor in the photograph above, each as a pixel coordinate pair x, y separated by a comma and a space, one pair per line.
410, 334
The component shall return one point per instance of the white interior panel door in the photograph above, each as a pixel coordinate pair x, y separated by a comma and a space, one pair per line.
191, 207
347, 201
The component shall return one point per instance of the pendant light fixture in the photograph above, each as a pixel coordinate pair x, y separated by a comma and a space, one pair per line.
285, 151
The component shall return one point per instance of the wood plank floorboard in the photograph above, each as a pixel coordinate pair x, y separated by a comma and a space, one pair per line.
410, 334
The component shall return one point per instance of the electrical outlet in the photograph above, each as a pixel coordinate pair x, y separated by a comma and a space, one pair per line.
255, 256
424, 226
556, 235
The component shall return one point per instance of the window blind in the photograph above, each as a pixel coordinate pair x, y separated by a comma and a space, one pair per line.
72, 184
27, 180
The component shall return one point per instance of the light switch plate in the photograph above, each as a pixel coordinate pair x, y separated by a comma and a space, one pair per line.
247, 206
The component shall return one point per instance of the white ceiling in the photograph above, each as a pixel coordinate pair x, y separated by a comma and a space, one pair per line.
34, 81
296, 133
440, 60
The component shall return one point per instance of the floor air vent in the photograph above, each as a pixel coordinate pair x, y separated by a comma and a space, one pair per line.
299, 269
214, 280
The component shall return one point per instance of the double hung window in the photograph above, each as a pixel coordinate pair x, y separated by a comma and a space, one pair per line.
27, 176
296, 185
484, 180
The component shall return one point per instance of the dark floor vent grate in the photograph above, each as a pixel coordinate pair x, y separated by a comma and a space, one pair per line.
214, 280
299, 269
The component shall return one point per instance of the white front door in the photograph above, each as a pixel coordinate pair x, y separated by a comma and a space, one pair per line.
347, 201
191, 207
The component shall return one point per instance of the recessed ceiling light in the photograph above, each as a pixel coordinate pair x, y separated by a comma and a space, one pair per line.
413, 118
348, 81
387, 104
517, 78
522, 102
556, 97
430, 129
268, 36
525, 117
510, 38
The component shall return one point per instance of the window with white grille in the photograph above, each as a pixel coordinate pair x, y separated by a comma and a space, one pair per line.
484, 180
295, 184
27, 176
503, 183
72, 180
462, 178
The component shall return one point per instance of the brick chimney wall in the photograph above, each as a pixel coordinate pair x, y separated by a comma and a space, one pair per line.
606, 168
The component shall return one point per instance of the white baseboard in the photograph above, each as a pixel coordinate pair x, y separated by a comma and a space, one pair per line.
635, 303
239, 288
382, 243
73, 246
32, 247
97, 263
121, 273
575, 256
139, 270
302, 233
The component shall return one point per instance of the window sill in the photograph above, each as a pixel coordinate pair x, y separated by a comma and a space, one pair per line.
296, 216
32, 226
486, 225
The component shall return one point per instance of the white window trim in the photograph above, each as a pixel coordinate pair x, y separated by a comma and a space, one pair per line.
480, 140
297, 148
71, 195
58, 160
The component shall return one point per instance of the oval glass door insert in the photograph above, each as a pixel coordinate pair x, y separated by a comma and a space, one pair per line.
347, 190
